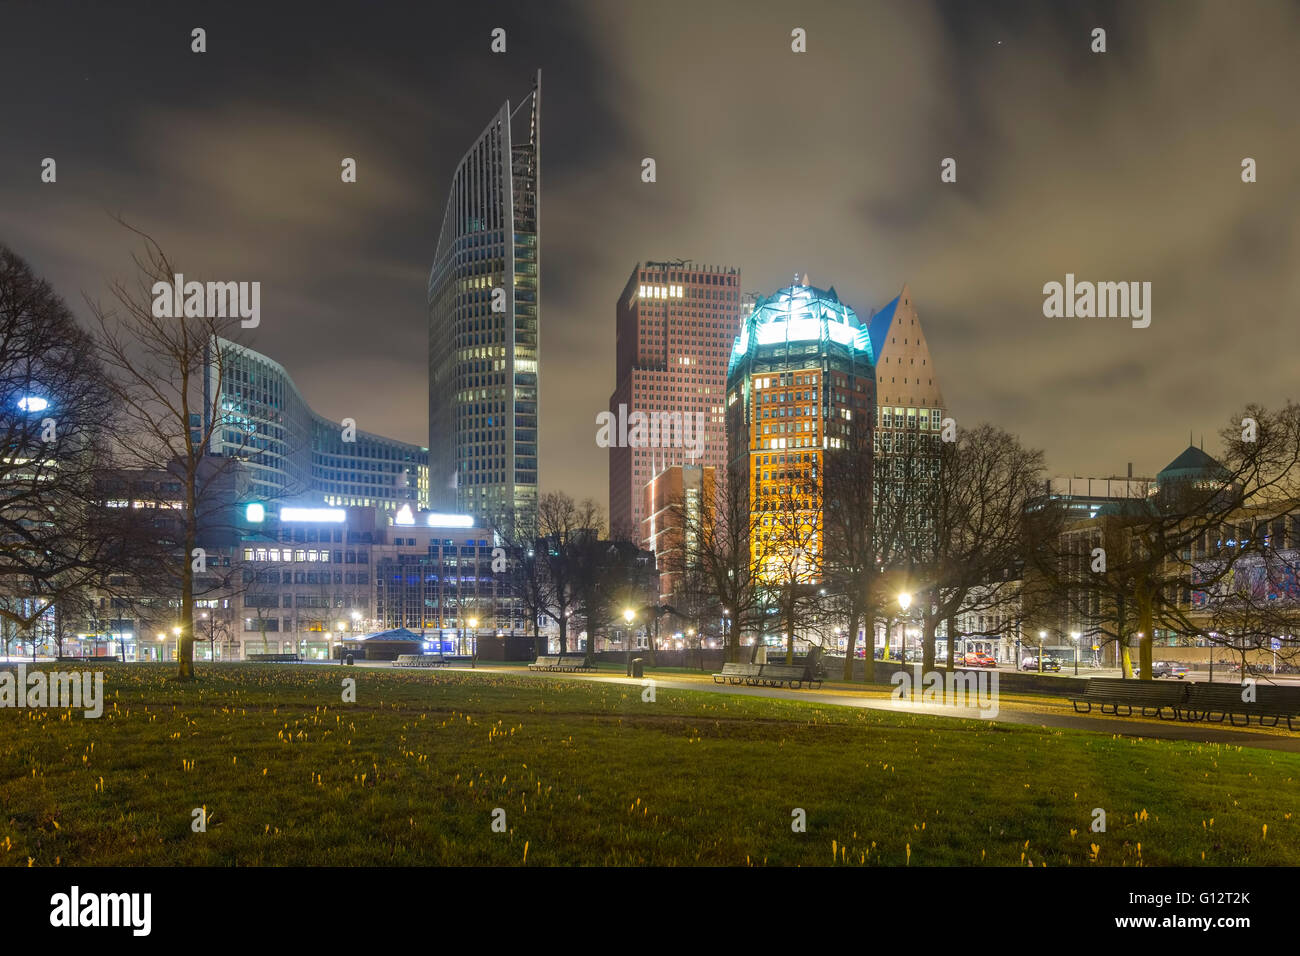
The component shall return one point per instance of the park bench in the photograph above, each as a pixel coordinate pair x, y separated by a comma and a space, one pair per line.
793, 674
738, 674
420, 660
768, 675
1206, 700
564, 663
1153, 699
275, 658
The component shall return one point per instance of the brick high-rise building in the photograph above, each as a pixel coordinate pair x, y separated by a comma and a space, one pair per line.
676, 325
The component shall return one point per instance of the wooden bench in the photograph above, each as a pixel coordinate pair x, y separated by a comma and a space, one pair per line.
1153, 699
767, 675
738, 674
795, 675
1271, 701
563, 663
420, 660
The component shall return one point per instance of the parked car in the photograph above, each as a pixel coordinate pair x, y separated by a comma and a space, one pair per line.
1169, 669
1031, 664
978, 659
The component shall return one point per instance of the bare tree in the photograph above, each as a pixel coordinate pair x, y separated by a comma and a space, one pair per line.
788, 544
56, 407
1127, 572
719, 546
169, 421
564, 529
853, 545
973, 515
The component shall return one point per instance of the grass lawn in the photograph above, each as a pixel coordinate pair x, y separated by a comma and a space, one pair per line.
590, 773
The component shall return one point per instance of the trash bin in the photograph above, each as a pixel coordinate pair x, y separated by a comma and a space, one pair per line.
638, 667
348, 659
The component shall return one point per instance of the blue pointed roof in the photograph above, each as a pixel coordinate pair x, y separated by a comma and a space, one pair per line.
878, 326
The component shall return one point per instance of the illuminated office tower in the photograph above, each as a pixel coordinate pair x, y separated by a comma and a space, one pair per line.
801, 377
483, 323
676, 322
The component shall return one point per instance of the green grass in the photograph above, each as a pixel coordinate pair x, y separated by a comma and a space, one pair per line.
589, 773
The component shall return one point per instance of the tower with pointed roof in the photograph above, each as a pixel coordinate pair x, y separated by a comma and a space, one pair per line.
906, 381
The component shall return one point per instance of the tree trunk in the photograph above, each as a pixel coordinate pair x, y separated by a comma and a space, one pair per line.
185, 640
789, 630
869, 648
1146, 642
951, 629
929, 624
852, 644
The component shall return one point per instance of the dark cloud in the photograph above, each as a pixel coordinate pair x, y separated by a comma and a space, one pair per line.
1112, 167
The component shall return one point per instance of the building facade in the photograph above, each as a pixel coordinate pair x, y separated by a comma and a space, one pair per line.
314, 577
800, 377
676, 322
483, 302
674, 503
292, 452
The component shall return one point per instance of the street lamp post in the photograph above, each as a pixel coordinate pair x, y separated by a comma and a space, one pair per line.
473, 625
1076, 636
1042, 636
629, 616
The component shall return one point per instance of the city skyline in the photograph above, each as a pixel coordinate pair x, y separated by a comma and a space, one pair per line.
224, 168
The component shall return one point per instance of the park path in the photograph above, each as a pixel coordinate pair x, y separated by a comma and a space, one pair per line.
1019, 713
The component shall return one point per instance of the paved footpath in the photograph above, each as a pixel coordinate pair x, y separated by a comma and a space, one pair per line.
843, 695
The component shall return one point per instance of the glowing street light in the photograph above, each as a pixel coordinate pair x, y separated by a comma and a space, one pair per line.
904, 602
1075, 636
629, 616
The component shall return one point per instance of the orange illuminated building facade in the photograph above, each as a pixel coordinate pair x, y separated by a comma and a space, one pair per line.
801, 378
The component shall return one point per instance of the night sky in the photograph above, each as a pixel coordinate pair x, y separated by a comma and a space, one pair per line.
1123, 166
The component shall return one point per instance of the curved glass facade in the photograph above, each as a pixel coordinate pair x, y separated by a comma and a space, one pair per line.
292, 452
483, 343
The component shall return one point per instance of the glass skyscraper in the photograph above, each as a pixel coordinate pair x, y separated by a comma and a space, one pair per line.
483, 323
292, 452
